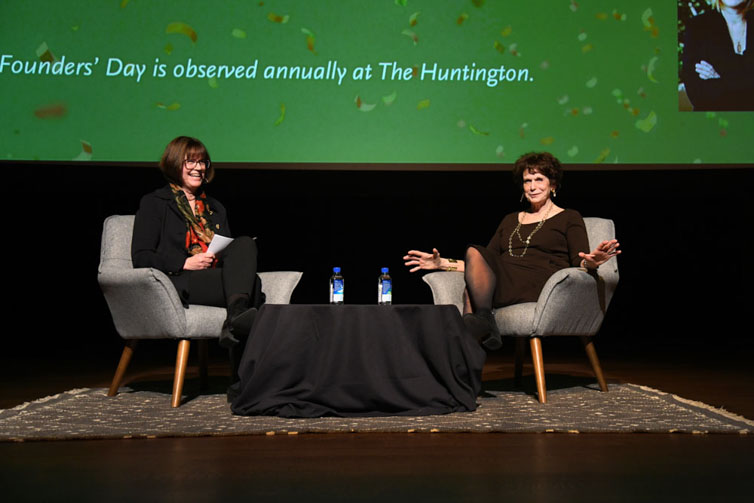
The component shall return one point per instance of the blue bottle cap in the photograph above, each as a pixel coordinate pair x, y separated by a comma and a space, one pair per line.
336, 269
384, 270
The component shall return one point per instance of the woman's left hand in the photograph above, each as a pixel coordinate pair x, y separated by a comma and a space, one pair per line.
604, 252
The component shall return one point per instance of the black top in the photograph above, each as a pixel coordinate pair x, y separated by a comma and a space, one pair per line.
707, 39
556, 245
159, 237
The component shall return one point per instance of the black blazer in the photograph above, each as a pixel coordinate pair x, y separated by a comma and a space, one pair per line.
159, 236
707, 39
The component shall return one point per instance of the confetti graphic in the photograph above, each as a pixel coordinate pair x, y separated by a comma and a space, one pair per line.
648, 123
53, 111
364, 107
648, 20
310, 39
390, 98
651, 69
86, 152
281, 118
412, 35
275, 18
172, 107
44, 54
183, 29
478, 132
440, 81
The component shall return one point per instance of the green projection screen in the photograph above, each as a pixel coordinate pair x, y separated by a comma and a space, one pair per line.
355, 81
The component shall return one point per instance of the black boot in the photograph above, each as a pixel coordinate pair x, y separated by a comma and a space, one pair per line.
239, 321
227, 340
483, 328
240, 325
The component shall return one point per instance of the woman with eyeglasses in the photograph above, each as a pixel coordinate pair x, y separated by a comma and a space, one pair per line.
173, 229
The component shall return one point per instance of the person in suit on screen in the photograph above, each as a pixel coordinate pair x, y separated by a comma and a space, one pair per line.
718, 57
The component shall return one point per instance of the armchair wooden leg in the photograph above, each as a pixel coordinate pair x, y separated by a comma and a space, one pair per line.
539, 368
181, 361
203, 363
125, 359
591, 352
518, 360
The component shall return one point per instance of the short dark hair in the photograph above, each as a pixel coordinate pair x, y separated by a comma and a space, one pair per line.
179, 150
538, 162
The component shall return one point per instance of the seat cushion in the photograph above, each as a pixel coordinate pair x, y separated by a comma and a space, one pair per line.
516, 320
204, 322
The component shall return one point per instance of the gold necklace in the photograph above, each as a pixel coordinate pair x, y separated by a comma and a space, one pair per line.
743, 37
739, 37
526, 241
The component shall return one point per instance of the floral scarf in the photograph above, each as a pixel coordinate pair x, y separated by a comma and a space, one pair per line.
199, 233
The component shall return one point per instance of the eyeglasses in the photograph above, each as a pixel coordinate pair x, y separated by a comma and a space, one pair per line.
193, 164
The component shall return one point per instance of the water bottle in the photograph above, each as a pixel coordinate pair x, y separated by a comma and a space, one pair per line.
336, 286
384, 288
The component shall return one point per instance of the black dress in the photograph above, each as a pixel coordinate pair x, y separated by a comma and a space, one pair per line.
555, 246
707, 39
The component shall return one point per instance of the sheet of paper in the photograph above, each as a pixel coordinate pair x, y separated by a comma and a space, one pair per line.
218, 244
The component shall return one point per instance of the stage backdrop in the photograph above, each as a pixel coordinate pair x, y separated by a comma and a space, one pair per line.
468, 82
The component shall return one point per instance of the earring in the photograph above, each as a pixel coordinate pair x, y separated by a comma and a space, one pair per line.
554, 194
522, 198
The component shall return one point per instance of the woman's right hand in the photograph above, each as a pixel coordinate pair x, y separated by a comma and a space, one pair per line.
199, 261
706, 71
422, 260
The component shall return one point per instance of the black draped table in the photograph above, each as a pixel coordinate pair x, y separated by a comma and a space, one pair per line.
350, 360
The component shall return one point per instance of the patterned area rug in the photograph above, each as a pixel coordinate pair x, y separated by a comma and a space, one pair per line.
89, 414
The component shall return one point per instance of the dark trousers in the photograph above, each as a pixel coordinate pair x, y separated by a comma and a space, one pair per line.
236, 273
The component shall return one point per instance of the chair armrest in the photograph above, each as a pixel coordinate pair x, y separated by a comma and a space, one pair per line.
278, 286
447, 287
143, 302
571, 303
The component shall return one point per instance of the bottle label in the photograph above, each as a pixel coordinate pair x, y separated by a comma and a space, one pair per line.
337, 290
387, 287
386, 292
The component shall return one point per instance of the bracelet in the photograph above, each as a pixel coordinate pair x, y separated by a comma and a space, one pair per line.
451, 267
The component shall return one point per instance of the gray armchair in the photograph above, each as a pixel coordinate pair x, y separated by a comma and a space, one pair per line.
572, 302
144, 304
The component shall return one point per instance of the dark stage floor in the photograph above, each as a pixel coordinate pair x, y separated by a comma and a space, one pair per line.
401, 467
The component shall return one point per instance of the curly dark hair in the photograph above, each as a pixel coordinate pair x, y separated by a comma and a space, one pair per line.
538, 162
179, 150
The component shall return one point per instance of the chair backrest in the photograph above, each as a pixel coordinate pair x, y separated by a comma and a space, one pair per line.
115, 250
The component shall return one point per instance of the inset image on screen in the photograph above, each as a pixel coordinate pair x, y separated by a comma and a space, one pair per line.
716, 63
